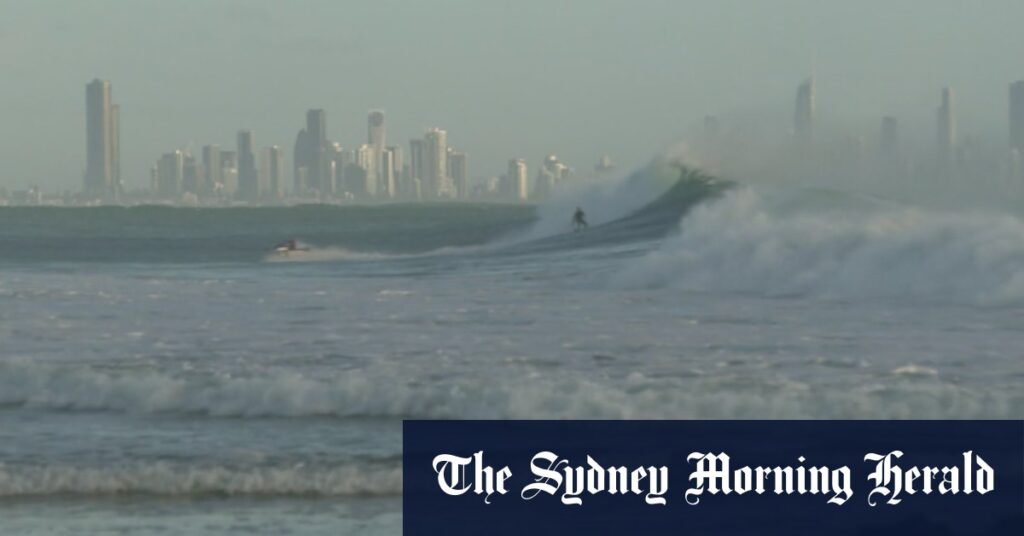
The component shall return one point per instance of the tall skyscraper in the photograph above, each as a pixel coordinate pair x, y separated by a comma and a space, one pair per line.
311, 157
366, 158
398, 178
803, 117
319, 170
300, 163
272, 173
458, 172
375, 132
337, 159
115, 150
229, 173
417, 166
212, 171
386, 175
316, 126
436, 183
190, 176
353, 176
1017, 116
398, 157
340, 159
946, 128
375, 138
170, 174
516, 180
889, 141
248, 180
102, 153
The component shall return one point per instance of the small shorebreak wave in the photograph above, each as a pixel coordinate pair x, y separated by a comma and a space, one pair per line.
899, 393
170, 479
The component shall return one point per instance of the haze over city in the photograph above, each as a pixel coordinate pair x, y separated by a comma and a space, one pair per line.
523, 79
246, 245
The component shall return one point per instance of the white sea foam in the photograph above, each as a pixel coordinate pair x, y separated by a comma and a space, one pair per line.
380, 392
176, 479
741, 243
310, 253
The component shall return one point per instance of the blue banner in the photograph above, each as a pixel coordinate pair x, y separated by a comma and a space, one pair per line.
713, 477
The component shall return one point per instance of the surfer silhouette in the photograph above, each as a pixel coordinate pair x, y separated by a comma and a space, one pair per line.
579, 220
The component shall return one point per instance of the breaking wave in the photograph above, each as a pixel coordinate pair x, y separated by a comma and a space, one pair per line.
747, 242
376, 392
642, 207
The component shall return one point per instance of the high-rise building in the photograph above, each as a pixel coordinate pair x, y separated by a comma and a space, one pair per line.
516, 180
319, 172
212, 172
366, 158
340, 158
386, 175
458, 172
398, 157
170, 174
551, 172
272, 173
436, 182
248, 180
316, 126
946, 127
803, 117
311, 158
353, 174
102, 168
229, 173
375, 138
889, 141
1017, 116
300, 163
115, 150
417, 166
375, 132
190, 176
398, 179
337, 159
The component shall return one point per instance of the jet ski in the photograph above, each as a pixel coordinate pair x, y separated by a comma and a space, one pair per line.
290, 247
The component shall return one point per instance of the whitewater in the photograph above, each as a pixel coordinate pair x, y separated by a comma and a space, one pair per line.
161, 373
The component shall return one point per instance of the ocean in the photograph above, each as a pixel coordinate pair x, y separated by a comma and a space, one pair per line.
162, 372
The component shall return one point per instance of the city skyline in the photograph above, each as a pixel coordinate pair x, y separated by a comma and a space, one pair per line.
375, 171
324, 170
533, 80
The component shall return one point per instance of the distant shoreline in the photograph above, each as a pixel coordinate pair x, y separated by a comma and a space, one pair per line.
360, 206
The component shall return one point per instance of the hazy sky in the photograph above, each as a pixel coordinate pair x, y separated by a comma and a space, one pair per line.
505, 78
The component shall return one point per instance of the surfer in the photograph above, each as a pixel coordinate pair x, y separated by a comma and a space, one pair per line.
579, 220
